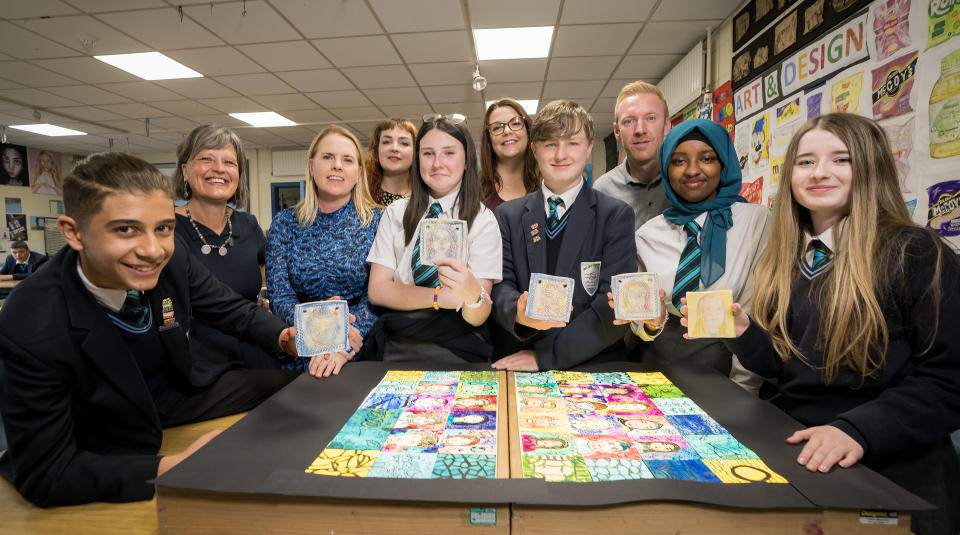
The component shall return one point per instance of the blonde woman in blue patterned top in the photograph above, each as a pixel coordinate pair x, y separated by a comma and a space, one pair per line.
317, 250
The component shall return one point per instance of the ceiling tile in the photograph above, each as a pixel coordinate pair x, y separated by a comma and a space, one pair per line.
450, 93
7, 84
372, 77
255, 84
125, 125
329, 18
316, 80
142, 91
358, 51
34, 76
314, 115
519, 91
340, 99
490, 13
594, 39
572, 89
215, 61
419, 15
442, 73
669, 37
704, 10
604, 105
396, 96
593, 68
69, 30
36, 98
87, 70
412, 112
221, 119
197, 88
647, 66
35, 8
613, 87
171, 123
99, 6
287, 56
290, 101
87, 94
162, 28
184, 108
88, 113
234, 105
434, 46
137, 111
259, 24
359, 113
587, 11
20, 43
513, 70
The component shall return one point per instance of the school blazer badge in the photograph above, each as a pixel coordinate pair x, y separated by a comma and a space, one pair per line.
590, 276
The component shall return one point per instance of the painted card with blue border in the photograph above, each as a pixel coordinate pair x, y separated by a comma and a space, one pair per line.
636, 296
322, 327
550, 297
443, 238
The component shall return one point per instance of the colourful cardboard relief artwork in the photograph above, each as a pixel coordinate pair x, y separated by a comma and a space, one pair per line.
615, 426
421, 425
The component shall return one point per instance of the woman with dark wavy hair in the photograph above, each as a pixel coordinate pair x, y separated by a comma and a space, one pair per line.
508, 169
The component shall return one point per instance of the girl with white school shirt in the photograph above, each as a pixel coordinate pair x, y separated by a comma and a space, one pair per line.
854, 314
436, 313
709, 238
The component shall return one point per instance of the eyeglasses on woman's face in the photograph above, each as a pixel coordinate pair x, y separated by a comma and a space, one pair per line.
498, 128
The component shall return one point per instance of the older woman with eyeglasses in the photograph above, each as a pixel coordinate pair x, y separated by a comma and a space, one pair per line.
227, 241
508, 169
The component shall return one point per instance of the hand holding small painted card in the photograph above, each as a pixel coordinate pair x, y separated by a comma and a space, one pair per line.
442, 238
322, 327
636, 296
709, 314
550, 297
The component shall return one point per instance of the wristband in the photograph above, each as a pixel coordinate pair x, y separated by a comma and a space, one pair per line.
480, 300
436, 294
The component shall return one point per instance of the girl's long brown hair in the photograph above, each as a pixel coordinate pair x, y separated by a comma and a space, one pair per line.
490, 181
869, 255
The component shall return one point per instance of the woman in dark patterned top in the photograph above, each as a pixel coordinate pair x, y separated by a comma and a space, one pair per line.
389, 157
508, 169
228, 242
852, 315
317, 249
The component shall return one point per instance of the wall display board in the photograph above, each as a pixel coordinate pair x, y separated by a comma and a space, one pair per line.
895, 61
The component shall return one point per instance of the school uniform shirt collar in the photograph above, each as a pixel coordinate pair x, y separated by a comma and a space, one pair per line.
109, 297
23, 263
827, 237
568, 197
448, 203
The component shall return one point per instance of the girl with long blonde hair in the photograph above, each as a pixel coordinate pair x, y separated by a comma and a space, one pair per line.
849, 315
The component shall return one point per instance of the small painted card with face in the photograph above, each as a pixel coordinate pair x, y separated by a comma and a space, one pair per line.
709, 314
550, 297
443, 238
321, 327
636, 296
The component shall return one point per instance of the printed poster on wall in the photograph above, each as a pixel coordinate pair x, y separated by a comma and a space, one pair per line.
45, 172
17, 226
892, 85
943, 214
759, 141
901, 141
723, 107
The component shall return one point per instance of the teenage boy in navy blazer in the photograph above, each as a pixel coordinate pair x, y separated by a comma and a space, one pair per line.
94, 348
21, 262
565, 229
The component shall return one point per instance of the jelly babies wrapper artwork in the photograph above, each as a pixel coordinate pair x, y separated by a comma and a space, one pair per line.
943, 18
709, 314
442, 238
943, 215
550, 297
322, 327
636, 296
892, 85
891, 26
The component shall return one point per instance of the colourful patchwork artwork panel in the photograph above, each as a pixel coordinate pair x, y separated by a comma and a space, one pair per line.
421, 425
578, 426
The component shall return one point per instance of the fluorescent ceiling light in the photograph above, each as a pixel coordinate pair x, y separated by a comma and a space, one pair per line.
265, 118
48, 130
530, 106
513, 43
150, 66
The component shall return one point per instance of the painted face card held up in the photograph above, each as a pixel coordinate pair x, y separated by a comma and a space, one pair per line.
321, 327
442, 238
709, 314
636, 296
550, 297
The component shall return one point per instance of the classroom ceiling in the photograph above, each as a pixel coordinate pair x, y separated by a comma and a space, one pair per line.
317, 62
